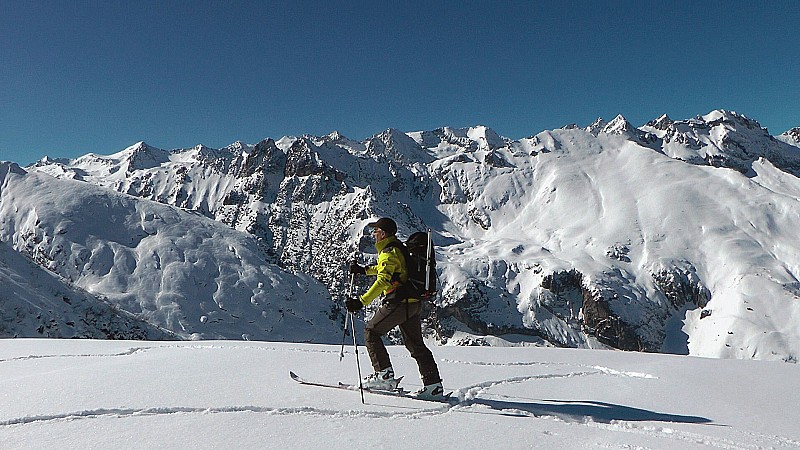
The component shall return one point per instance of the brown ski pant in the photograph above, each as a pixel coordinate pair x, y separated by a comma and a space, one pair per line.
406, 316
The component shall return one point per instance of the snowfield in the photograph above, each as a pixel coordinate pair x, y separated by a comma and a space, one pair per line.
82, 394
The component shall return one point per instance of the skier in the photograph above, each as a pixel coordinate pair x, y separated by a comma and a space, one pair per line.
405, 313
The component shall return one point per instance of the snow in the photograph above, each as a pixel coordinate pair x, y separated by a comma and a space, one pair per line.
83, 394
709, 206
176, 269
587, 195
685, 231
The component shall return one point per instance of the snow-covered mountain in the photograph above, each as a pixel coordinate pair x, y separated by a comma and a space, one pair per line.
791, 137
677, 236
37, 303
175, 269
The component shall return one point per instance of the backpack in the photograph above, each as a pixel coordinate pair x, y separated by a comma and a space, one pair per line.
418, 253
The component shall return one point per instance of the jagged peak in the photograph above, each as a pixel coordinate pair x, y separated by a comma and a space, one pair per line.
202, 148
596, 126
662, 123
338, 139
140, 146
306, 142
336, 136
396, 145
237, 147
142, 156
48, 160
794, 132
725, 116
619, 118
263, 145
485, 137
791, 136
618, 125
391, 134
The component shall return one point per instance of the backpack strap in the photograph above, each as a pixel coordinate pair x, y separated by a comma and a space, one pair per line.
399, 245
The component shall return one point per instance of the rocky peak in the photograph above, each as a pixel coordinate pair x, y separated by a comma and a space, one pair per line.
335, 136
619, 125
458, 137
732, 140
141, 156
732, 118
485, 137
395, 145
597, 126
662, 123
265, 156
791, 136
236, 148
302, 159
338, 139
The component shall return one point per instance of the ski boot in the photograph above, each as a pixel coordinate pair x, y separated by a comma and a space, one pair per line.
381, 381
433, 391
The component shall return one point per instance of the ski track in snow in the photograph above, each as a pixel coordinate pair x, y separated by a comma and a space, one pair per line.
156, 411
599, 369
128, 352
747, 440
135, 350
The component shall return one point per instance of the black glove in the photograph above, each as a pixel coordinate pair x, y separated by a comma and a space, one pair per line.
355, 268
353, 305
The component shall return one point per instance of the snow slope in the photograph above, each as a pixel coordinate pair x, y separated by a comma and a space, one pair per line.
80, 394
37, 303
629, 220
175, 269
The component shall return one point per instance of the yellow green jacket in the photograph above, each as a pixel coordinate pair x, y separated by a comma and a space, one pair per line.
390, 268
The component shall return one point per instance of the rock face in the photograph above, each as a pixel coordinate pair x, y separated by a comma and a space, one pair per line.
610, 235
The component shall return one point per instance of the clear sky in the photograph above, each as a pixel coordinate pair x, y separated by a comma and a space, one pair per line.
97, 76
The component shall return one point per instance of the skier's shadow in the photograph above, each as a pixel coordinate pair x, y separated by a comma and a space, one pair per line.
581, 411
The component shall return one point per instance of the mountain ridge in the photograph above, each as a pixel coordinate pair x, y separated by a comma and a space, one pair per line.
588, 237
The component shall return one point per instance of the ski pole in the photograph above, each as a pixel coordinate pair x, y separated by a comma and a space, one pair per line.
353, 331
344, 335
358, 363
344, 332
428, 261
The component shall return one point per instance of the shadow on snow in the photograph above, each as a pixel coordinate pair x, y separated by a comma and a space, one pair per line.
583, 411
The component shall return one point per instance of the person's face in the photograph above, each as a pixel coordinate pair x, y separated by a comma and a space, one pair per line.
378, 234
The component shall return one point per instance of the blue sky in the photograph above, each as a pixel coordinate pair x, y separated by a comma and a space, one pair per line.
97, 76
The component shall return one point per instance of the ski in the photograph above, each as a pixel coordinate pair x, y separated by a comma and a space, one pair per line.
399, 392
